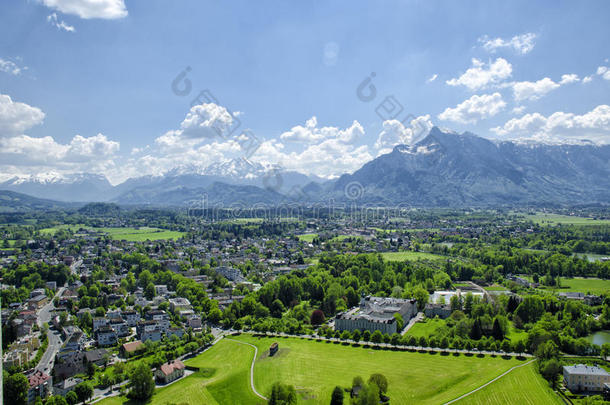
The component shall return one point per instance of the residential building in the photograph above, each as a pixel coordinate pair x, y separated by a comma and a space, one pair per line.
441, 310
179, 303
127, 349
65, 386
581, 377
98, 322
41, 385
131, 317
170, 371
106, 336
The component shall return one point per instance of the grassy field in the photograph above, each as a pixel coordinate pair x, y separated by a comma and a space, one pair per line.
401, 256
427, 327
315, 368
128, 234
495, 287
339, 238
307, 237
223, 379
579, 284
555, 219
521, 386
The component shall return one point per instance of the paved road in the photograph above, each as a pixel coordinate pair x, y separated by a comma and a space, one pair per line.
44, 315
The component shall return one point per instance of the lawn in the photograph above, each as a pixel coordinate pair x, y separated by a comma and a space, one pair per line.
521, 386
579, 284
307, 237
427, 327
128, 234
340, 238
555, 219
223, 379
401, 256
315, 368
495, 287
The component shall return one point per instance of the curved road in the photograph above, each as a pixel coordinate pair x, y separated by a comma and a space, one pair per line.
251, 368
489, 382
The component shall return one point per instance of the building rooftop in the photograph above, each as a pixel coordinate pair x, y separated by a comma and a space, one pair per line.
170, 366
584, 369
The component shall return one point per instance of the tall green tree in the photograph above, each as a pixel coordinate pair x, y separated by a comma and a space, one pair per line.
142, 382
282, 394
337, 396
15, 388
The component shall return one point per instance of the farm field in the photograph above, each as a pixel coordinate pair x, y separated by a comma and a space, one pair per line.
555, 219
400, 256
223, 379
307, 237
315, 368
54, 229
521, 386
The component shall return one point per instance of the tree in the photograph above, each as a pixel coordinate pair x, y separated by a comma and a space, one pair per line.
337, 397
421, 296
496, 330
142, 382
15, 388
520, 346
400, 323
376, 337
83, 391
282, 394
317, 317
550, 370
56, 400
356, 335
380, 380
71, 398
368, 395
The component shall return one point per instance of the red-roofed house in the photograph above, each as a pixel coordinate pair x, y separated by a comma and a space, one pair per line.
170, 371
40, 385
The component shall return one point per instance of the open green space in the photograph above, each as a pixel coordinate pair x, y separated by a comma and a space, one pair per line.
307, 237
555, 219
223, 379
315, 368
521, 386
339, 238
401, 256
127, 233
495, 287
591, 285
426, 327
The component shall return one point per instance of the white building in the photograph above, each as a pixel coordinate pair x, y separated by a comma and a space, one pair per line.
580, 377
376, 313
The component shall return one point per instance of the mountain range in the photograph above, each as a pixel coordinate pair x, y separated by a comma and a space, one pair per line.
443, 169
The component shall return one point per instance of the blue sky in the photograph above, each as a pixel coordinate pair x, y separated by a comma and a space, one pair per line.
89, 88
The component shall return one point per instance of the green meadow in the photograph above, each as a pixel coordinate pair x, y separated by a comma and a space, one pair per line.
127, 233
555, 219
402, 256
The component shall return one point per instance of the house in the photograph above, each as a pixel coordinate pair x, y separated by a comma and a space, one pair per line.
170, 371
40, 385
66, 386
174, 331
376, 313
128, 349
580, 377
161, 289
179, 303
194, 322
99, 322
443, 311
38, 301
273, 348
96, 356
120, 327
106, 336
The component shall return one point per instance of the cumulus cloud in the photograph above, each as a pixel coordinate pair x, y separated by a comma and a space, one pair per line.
521, 44
432, 78
481, 75
569, 78
533, 90
11, 67
310, 133
474, 109
59, 24
395, 132
560, 126
17, 117
105, 9
604, 72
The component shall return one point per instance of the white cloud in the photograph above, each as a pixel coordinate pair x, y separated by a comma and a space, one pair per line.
16, 117
432, 78
587, 79
106, 9
533, 90
569, 78
604, 72
481, 75
395, 133
521, 44
560, 126
60, 25
474, 109
310, 133
518, 109
11, 67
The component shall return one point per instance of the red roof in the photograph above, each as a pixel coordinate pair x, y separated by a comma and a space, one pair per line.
37, 378
170, 367
132, 346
